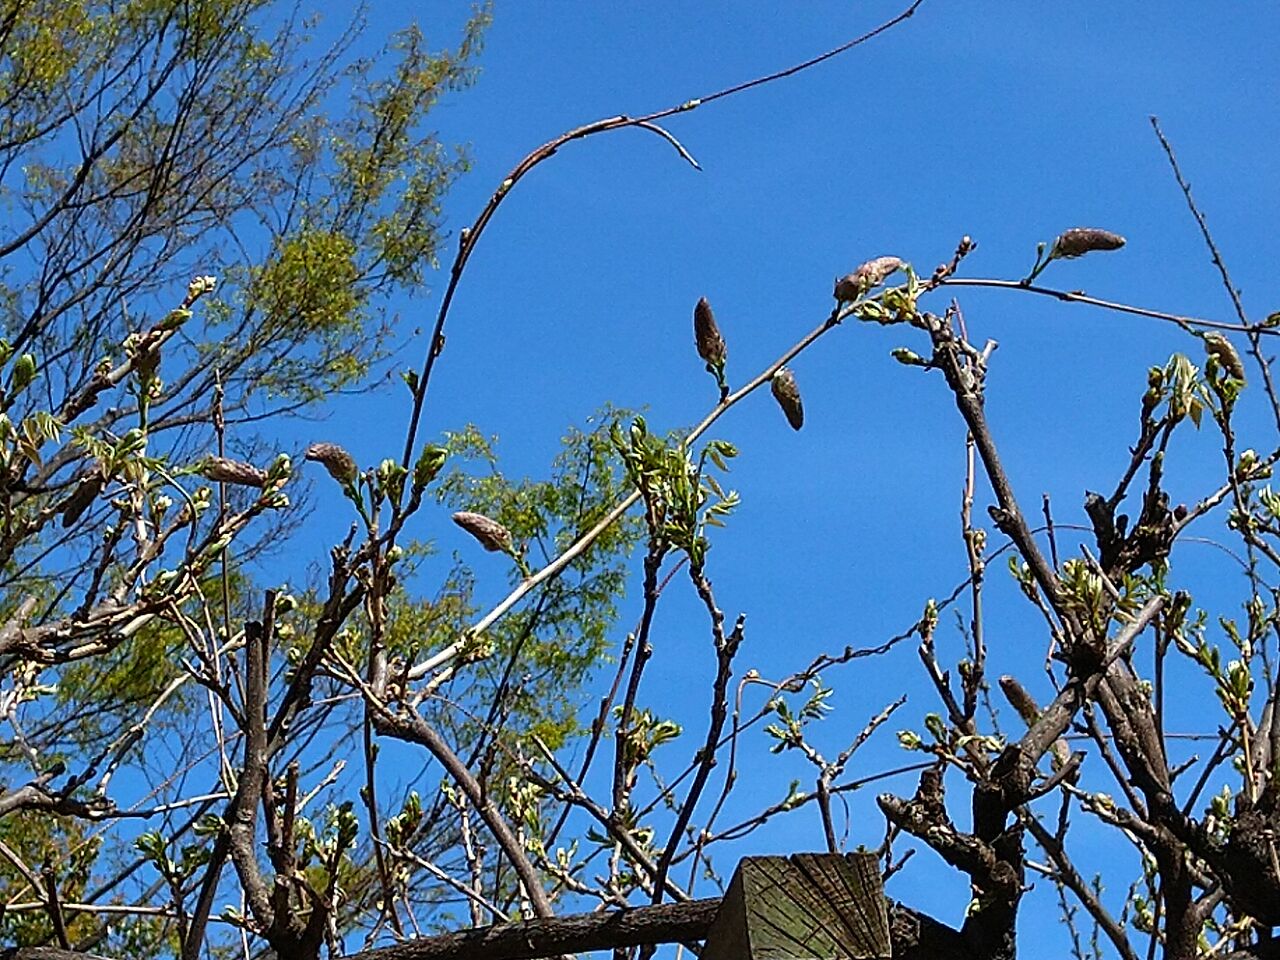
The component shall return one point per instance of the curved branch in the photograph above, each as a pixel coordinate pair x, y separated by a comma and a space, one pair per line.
471, 235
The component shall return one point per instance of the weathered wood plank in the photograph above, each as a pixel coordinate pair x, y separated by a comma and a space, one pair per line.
853, 886
805, 907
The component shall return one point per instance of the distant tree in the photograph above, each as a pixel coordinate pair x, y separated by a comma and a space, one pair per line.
142, 144
265, 734
145, 144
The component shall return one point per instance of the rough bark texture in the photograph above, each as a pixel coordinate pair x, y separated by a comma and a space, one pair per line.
665, 923
914, 936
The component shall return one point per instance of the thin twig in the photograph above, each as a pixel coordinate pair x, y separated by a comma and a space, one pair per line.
1183, 322
471, 235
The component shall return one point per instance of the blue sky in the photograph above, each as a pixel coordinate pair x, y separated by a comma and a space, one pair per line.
1005, 121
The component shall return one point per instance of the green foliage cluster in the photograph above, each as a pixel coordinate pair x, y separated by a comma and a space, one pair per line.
143, 142
682, 497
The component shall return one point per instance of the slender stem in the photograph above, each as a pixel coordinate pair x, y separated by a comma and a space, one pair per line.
583, 543
1186, 323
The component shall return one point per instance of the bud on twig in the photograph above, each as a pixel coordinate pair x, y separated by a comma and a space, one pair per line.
340, 464
787, 394
1081, 240
868, 275
1216, 345
711, 345
908, 357
1075, 242
491, 535
199, 286
74, 506
429, 463
24, 371
224, 470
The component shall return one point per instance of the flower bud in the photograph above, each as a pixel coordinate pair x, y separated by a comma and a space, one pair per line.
224, 470
82, 497
711, 345
491, 535
868, 275
1081, 240
787, 394
340, 464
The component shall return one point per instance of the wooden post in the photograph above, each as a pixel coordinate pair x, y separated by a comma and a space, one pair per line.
809, 906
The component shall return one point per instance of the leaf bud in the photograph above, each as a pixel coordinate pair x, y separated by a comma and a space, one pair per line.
1218, 346
200, 286
174, 319
24, 371
430, 462
132, 441
391, 477
281, 469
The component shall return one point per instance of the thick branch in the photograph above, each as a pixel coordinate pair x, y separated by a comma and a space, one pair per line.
665, 923
416, 730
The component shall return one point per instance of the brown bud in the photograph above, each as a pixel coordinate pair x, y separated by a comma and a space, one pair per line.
1216, 345
868, 275
711, 345
492, 535
223, 470
81, 499
1081, 240
340, 464
787, 394
1020, 699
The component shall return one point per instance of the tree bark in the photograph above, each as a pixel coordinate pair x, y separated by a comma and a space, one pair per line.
915, 936
665, 923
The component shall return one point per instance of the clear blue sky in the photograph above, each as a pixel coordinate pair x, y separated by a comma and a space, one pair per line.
1005, 121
